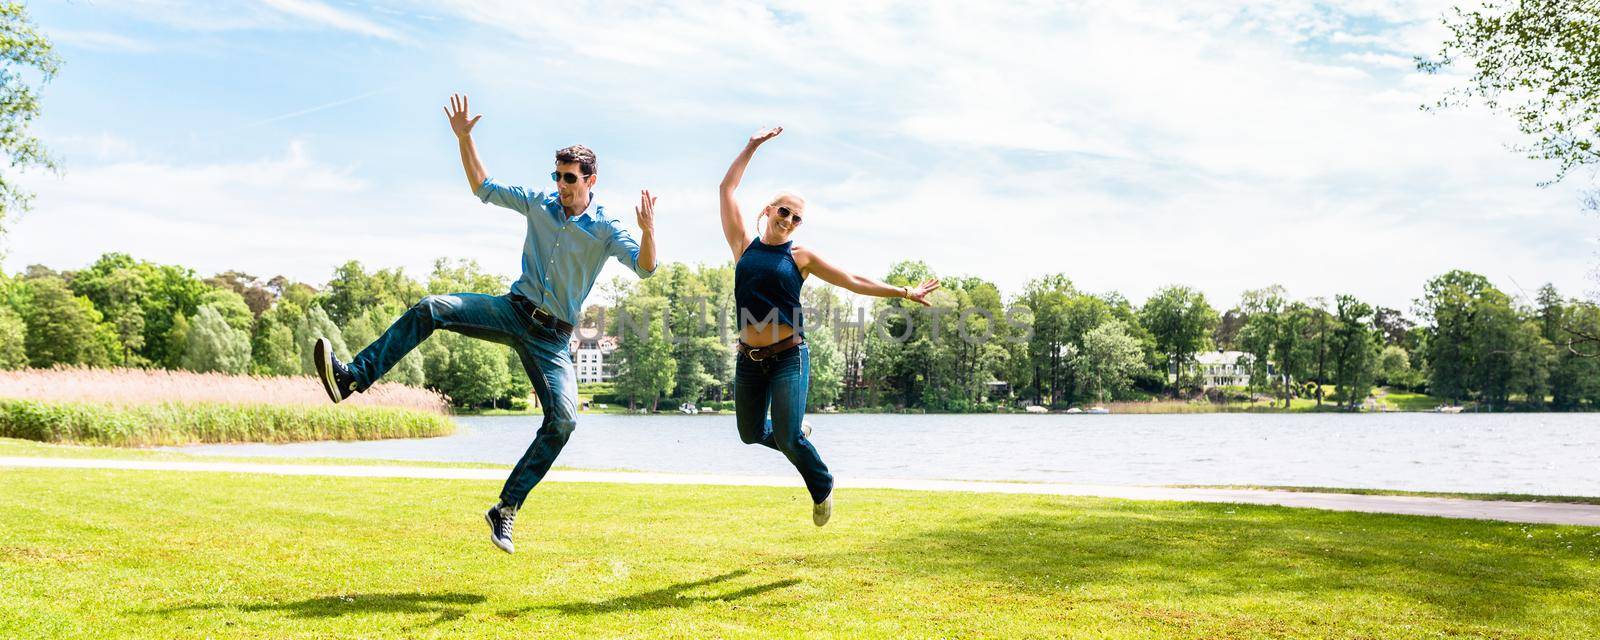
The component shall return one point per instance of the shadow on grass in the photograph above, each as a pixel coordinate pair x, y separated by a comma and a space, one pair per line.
664, 598
445, 606
1477, 572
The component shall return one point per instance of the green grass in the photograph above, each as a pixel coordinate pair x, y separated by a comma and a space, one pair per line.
197, 422
162, 554
11, 447
1507, 497
1409, 401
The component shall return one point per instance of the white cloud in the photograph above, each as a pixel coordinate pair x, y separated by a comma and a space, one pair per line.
99, 41
288, 214
1226, 145
322, 14
257, 15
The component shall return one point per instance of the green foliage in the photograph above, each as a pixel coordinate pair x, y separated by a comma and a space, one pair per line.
22, 48
646, 369
1355, 345
215, 345
1108, 359
1181, 323
273, 350
189, 423
1536, 61
231, 306
63, 328
313, 324
1394, 369
13, 340
367, 327
471, 372
461, 276
352, 291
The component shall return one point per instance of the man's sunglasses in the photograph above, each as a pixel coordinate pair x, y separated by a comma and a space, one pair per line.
570, 177
784, 212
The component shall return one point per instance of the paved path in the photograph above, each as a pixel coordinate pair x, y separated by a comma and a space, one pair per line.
1539, 512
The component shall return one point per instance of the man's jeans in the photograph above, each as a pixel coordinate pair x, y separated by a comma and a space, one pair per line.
544, 353
780, 381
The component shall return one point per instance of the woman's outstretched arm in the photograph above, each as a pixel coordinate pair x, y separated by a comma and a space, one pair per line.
732, 222
814, 264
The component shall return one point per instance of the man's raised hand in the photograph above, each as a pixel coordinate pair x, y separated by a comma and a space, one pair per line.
457, 113
646, 212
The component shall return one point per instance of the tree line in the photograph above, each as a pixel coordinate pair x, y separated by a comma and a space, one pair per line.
974, 349
1056, 345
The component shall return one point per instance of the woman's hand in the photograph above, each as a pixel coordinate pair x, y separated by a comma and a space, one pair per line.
920, 292
764, 135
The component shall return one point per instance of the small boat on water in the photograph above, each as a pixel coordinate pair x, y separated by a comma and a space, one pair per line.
688, 408
1098, 410
1074, 410
1033, 408
1447, 409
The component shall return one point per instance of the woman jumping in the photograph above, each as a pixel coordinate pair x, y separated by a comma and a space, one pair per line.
774, 366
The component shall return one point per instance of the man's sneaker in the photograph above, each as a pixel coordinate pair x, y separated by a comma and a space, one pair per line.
501, 518
821, 511
336, 378
805, 428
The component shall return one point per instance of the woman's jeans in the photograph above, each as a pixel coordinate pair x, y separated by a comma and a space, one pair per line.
780, 382
544, 352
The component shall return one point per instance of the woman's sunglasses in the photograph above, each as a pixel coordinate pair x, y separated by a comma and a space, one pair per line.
784, 212
569, 177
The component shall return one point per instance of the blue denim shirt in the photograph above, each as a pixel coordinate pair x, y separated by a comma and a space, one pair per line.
562, 256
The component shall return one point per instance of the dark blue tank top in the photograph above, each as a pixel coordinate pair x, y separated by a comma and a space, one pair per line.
767, 280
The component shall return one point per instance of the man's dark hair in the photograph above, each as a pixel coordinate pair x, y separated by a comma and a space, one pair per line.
579, 154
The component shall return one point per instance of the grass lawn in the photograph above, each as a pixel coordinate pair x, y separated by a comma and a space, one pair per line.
13, 447
1507, 497
107, 553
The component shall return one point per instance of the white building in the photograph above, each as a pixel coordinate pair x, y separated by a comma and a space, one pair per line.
591, 356
1223, 368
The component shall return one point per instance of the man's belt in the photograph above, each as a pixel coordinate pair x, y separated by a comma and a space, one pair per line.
540, 316
758, 354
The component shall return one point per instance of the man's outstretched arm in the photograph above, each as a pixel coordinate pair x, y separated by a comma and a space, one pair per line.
462, 126
513, 198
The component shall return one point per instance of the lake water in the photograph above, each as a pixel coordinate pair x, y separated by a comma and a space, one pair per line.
1522, 453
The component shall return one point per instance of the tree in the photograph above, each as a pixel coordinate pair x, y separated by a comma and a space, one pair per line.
13, 337
1181, 322
1355, 343
366, 328
1394, 368
22, 46
461, 276
257, 294
63, 328
1046, 301
272, 345
1534, 60
646, 369
314, 324
1446, 307
213, 344
352, 291
1262, 310
471, 372
232, 307
1108, 359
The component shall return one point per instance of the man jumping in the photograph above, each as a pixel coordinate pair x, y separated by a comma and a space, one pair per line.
568, 240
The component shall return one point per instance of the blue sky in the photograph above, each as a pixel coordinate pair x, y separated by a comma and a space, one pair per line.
1130, 145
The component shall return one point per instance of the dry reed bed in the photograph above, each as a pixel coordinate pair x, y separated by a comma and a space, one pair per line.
136, 407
